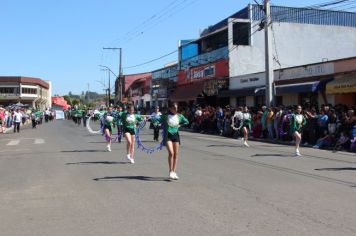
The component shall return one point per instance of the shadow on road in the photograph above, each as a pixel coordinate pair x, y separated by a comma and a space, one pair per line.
142, 178
85, 151
271, 155
214, 145
97, 162
336, 169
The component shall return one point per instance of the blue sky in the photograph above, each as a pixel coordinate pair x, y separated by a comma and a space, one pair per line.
62, 41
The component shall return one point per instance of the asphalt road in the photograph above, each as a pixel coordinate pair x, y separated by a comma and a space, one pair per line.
59, 180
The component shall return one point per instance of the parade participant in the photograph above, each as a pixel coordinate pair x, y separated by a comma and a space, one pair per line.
155, 116
119, 123
108, 120
236, 123
171, 123
297, 122
129, 120
246, 124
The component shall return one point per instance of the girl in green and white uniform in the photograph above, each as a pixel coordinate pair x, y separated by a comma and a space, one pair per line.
171, 123
297, 122
130, 120
108, 121
246, 124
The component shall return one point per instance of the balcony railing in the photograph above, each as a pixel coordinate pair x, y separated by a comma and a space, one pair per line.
221, 53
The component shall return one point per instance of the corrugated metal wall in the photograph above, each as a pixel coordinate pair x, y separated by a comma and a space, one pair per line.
306, 16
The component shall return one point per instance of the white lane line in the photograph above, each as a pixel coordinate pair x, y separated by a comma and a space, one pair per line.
39, 141
13, 142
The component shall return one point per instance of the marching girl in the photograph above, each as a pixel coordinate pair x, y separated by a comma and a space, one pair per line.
246, 124
108, 121
297, 122
130, 120
171, 123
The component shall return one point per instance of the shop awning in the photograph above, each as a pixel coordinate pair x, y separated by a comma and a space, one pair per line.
344, 85
242, 92
298, 88
187, 92
280, 89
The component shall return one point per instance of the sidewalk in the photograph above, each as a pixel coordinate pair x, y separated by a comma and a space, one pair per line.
287, 143
11, 129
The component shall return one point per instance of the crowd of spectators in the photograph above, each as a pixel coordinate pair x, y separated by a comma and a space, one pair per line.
14, 117
327, 127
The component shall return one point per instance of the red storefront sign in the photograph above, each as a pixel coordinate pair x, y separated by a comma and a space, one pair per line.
219, 69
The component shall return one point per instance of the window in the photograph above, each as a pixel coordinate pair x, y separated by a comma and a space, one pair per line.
241, 33
29, 90
241, 101
9, 90
308, 99
260, 101
279, 100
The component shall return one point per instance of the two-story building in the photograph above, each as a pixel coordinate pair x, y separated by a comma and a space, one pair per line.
163, 84
26, 90
300, 36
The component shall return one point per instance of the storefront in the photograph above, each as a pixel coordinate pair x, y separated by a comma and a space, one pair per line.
298, 85
202, 84
344, 90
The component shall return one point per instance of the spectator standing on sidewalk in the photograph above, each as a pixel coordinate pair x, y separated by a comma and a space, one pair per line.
17, 120
33, 119
219, 115
264, 122
47, 114
269, 122
277, 121
322, 122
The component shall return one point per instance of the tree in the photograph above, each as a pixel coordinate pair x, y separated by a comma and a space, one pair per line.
68, 99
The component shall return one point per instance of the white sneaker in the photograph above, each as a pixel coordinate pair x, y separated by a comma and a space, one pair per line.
175, 175
128, 157
109, 149
132, 161
246, 144
171, 175
297, 153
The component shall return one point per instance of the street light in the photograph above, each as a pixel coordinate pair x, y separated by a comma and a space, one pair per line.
118, 77
120, 69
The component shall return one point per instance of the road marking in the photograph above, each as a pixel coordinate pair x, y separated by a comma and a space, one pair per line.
39, 141
13, 142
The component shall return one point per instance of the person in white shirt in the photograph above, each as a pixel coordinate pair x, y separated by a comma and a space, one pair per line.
17, 120
156, 125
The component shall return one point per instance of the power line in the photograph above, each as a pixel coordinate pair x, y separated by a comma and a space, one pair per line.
307, 8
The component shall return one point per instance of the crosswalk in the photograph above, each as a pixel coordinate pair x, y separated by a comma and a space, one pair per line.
16, 142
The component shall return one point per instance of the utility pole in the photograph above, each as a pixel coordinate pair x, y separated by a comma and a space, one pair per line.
88, 96
109, 89
120, 72
270, 96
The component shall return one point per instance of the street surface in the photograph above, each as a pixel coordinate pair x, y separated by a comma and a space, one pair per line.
59, 180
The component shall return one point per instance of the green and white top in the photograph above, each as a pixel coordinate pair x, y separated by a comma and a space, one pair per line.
298, 121
129, 121
172, 122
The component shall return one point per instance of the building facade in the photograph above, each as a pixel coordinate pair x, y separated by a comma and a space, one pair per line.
332, 82
138, 90
26, 90
300, 37
163, 84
